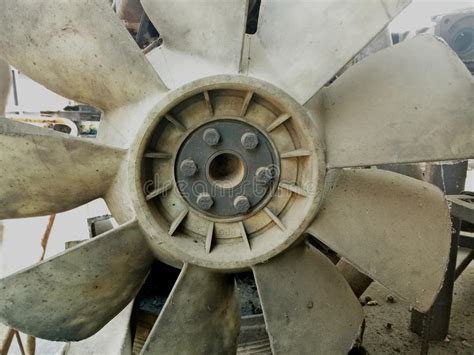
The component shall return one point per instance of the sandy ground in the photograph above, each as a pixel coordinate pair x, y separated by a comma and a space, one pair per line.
379, 340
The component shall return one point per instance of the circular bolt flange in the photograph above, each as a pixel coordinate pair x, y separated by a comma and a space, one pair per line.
241, 204
188, 167
263, 175
205, 201
227, 168
211, 136
249, 140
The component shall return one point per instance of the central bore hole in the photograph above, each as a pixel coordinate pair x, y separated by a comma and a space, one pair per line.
226, 170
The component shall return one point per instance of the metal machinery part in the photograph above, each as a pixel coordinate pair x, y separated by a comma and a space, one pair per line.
457, 29
5, 79
210, 91
60, 124
434, 323
227, 158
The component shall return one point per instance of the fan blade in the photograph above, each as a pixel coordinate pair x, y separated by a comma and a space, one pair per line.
113, 338
200, 38
119, 127
308, 306
409, 103
391, 227
73, 295
78, 49
300, 45
50, 172
5, 83
201, 316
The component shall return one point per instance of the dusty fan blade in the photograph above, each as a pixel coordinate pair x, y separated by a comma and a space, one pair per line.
200, 38
308, 306
391, 227
49, 172
73, 295
5, 83
79, 49
201, 316
409, 103
302, 55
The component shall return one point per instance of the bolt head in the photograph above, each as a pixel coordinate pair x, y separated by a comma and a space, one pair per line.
241, 204
211, 136
249, 140
188, 167
263, 175
204, 201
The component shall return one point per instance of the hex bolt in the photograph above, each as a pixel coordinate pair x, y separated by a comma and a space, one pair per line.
211, 136
249, 140
204, 201
188, 167
241, 204
263, 175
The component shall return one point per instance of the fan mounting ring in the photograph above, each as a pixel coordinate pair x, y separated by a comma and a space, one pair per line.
228, 172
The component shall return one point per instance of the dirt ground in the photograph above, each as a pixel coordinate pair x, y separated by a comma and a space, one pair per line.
399, 340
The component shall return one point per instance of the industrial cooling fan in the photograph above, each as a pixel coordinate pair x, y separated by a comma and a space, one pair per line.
222, 153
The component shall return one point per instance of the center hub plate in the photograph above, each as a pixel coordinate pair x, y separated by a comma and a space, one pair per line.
227, 171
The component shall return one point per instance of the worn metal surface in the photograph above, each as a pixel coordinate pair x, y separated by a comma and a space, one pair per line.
118, 127
5, 83
201, 316
226, 170
113, 339
200, 38
465, 257
457, 29
391, 227
73, 295
300, 45
78, 49
178, 230
434, 324
363, 211
450, 178
358, 281
404, 118
49, 171
308, 306
462, 207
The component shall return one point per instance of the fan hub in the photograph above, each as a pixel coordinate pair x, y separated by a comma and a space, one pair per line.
226, 170
230, 172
